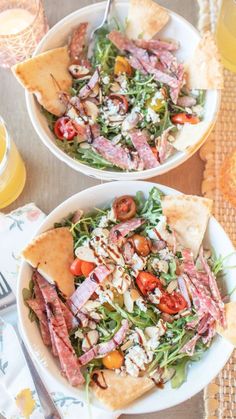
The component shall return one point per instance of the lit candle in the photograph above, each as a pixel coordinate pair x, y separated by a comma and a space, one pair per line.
14, 20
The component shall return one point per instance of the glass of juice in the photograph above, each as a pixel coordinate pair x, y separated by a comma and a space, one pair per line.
226, 34
12, 168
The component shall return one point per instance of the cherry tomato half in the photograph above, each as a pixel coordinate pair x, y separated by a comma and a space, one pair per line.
172, 303
113, 360
141, 244
75, 267
124, 208
182, 118
147, 282
64, 129
87, 267
121, 101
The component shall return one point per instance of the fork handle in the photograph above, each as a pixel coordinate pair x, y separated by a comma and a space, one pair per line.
49, 409
107, 11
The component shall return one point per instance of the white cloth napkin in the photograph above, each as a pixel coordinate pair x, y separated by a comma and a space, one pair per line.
16, 229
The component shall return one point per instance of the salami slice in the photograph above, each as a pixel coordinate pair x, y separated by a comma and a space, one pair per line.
86, 90
70, 319
119, 231
77, 43
115, 154
124, 44
156, 44
160, 76
66, 354
139, 141
87, 288
136, 64
40, 312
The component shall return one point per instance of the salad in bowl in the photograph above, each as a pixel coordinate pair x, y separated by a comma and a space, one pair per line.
136, 103
127, 295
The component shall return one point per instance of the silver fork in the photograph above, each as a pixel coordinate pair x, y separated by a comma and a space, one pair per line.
7, 298
49, 409
102, 24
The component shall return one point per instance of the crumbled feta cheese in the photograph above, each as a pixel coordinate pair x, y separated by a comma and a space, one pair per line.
155, 296
141, 304
135, 360
158, 96
72, 113
105, 296
138, 262
106, 80
166, 254
100, 232
195, 92
112, 108
91, 305
122, 80
171, 138
152, 116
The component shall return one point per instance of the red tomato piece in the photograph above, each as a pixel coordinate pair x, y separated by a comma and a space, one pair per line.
172, 303
75, 267
147, 282
64, 129
87, 267
182, 118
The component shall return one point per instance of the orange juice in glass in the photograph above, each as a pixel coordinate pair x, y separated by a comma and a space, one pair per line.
12, 169
226, 34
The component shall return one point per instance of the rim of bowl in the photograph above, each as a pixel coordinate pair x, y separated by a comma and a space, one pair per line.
179, 157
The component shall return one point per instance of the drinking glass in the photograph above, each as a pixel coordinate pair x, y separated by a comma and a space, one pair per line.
22, 25
12, 168
226, 34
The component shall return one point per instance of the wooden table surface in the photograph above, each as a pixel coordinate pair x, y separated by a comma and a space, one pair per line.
49, 181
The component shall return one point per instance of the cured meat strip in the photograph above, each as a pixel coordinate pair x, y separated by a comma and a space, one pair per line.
160, 76
156, 44
124, 44
119, 231
189, 347
114, 154
167, 59
86, 90
70, 319
139, 141
66, 354
106, 347
136, 64
40, 312
77, 43
202, 298
213, 287
87, 288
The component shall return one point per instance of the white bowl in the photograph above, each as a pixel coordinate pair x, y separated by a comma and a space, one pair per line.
200, 373
178, 28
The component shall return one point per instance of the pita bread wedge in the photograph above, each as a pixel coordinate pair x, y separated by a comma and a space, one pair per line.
52, 254
204, 69
120, 391
189, 135
145, 19
188, 216
45, 75
230, 332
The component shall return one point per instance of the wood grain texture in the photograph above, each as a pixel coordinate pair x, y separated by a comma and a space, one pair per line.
49, 181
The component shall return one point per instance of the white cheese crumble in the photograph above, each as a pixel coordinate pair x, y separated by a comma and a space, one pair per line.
198, 110
106, 80
135, 360
155, 296
152, 116
141, 304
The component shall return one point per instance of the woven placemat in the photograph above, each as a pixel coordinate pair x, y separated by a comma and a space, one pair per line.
220, 395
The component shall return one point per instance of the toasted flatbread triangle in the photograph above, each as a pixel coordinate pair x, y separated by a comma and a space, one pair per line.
145, 19
44, 75
52, 254
189, 135
204, 69
188, 216
230, 332
120, 391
